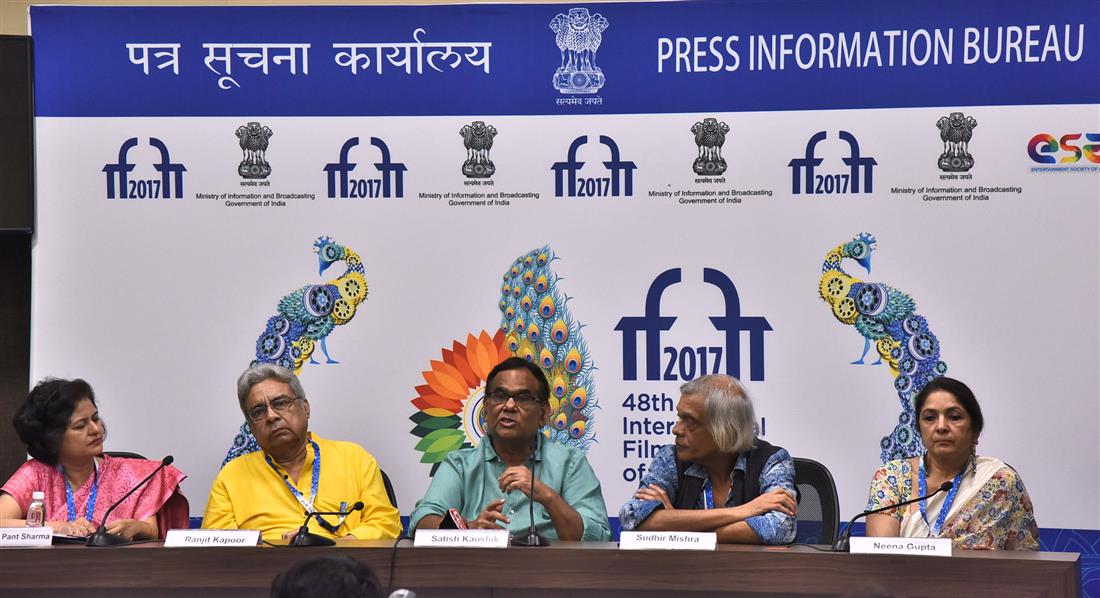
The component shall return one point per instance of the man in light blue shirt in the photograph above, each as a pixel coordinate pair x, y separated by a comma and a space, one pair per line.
490, 485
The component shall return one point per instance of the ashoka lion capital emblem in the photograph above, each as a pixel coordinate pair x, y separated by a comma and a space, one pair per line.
478, 139
578, 36
254, 139
710, 136
956, 130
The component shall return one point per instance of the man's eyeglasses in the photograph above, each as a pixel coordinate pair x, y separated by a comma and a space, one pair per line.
279, 404
523, 398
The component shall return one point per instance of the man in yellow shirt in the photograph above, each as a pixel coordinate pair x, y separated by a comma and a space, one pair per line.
296, 471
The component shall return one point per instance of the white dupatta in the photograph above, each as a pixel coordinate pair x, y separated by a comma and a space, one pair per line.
914, 526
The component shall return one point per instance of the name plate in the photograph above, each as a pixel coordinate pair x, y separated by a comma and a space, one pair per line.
191, 538
12, 537
462, 538
910, 546
668, 541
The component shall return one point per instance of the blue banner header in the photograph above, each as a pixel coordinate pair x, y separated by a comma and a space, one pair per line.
613, 58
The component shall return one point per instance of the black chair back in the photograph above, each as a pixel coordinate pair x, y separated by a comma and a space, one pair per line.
389, 488
818, 505
123, 455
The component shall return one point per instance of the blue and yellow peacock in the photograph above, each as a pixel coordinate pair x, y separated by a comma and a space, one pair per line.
538, 327
306, 316
887, 317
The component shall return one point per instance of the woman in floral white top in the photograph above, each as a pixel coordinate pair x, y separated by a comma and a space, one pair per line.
987, 506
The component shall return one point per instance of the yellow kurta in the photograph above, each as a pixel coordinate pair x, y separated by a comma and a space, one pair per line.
249, 494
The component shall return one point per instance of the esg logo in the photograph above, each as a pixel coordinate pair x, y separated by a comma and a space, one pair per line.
1042, 146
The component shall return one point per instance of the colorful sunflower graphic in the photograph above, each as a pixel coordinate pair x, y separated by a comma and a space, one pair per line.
450, 404
537, 325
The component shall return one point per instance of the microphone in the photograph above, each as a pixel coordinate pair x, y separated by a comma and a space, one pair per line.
306, 538
453, 520
533, 538
842, 543
101, 537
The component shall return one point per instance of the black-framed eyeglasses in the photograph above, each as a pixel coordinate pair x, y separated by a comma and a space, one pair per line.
280, 405
524, 399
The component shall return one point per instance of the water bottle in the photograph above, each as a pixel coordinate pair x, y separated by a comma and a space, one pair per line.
36, 513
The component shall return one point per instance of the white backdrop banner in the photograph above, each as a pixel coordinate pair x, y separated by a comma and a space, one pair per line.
834, 203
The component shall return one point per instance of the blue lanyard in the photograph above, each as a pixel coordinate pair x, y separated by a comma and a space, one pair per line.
307, 505
330, 527
70, 502
947, 502
708, 495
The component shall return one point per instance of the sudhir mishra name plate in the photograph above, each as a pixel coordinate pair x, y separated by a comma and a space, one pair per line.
462, 538
668, 541
199, 538
910, 546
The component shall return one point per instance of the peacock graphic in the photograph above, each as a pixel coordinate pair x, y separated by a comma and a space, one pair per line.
303, 318
886, 316
539, 327
535, 324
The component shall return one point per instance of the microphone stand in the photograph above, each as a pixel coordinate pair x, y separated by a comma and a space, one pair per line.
842, 542
533, 537
102, 537
306, 538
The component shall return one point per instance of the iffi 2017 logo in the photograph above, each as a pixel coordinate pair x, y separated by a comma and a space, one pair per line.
688, 363
569, 183
858, 179
390, 181
121, 186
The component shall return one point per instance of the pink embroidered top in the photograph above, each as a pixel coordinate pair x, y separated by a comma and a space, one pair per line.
116, 477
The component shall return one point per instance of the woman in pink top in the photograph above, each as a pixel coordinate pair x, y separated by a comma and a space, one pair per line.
64, 435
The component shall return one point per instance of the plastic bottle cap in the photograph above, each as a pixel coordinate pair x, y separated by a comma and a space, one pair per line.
38, 495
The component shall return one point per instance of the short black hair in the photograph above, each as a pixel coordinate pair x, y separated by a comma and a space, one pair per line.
962, 394
519, 363
327, 577
44, 416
